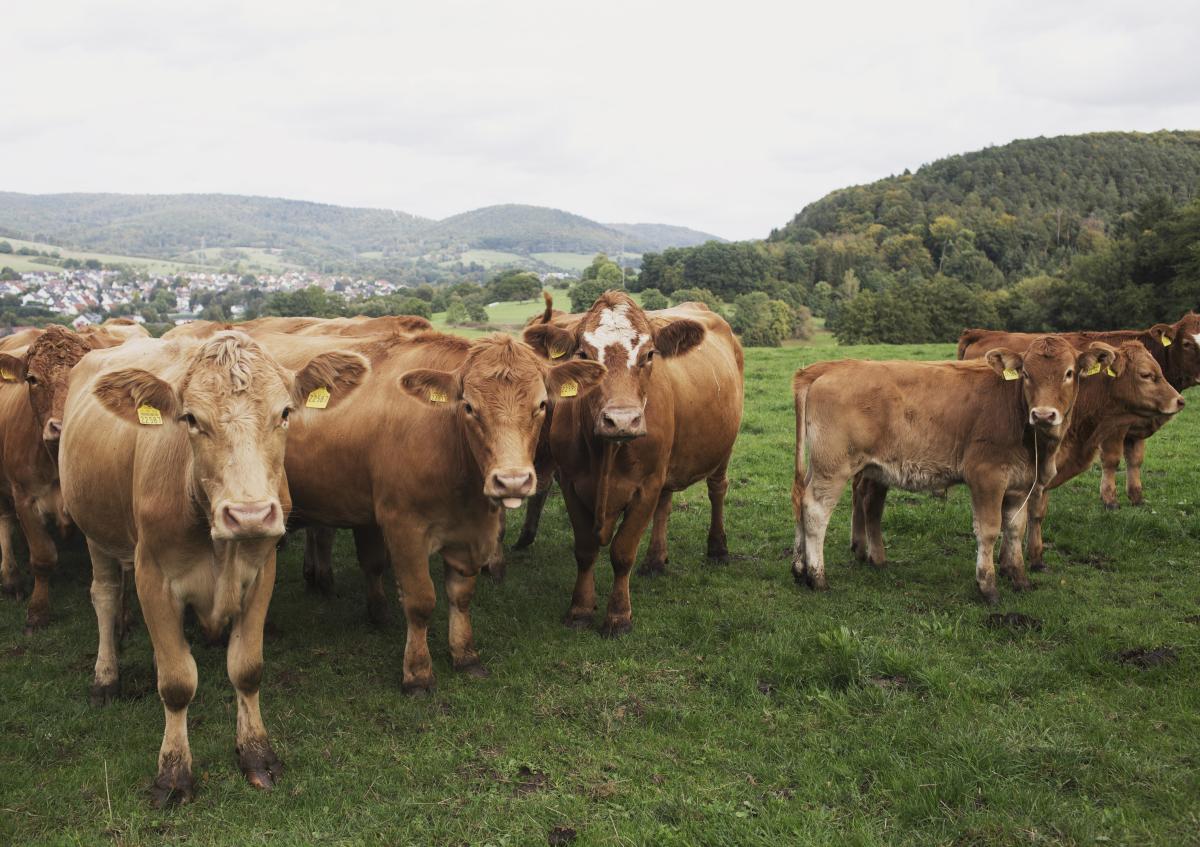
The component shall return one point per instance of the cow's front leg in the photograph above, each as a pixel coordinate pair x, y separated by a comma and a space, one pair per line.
587, 546
108, 601
534, 507
10, 581
176, 682
318, 558
410, 563
460, 588
619, 617
1012, 559
372, 555
1110, 460
655, 563
1135, 454
718, 544
987, 500
1038, 505
244, 663
43, 557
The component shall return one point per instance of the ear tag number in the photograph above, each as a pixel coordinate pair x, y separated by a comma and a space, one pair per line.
148, 415
7, 375
569, 389
318, 398
436, 395
1110, 372
1011, 374
1093, 370
1166, 341
557, 352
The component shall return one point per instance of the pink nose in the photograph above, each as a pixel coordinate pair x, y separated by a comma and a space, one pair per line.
52, 430
1044, 414
622, 422
250, 519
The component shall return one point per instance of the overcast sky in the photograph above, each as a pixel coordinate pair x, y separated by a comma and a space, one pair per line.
725, 117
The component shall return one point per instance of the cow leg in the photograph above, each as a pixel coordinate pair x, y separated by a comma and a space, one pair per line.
373, 559
1012, 559
718, 546
623, 550
986, 506
1038, 504
177, 679
533, 516
1110, 459
318, 558
460, 588
10, 581
858, 520
820, 499
871, 497
587, 546
244, 664
655, 563
108, 589
1135, 454
43, 557
410, 563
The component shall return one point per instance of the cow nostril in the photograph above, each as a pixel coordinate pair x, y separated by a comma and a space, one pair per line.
609, 422
1180, 402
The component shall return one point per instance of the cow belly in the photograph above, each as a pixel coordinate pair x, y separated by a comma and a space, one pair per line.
912, 475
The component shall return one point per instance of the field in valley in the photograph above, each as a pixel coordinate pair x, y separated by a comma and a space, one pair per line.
742, 709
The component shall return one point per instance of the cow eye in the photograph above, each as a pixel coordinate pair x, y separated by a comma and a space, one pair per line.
1146, 375
190, 420
284, 417
31, 379
581, 354
1070, 373
650, 356
541, 407
468, 408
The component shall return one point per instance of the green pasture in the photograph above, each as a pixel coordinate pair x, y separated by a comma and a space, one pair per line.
896, 709
24, 264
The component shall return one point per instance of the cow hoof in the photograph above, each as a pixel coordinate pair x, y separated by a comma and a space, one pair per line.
720, 560
260, 765
1037, 566
418, 687
816, 583
13, 591
653, 569
1137, 501
1111, 507
320, 583
497, 571
990, 596
526, 540
35, 621
615, 627
574, 620
377, 611
1023, 585
172, 787
474, 668
101, 694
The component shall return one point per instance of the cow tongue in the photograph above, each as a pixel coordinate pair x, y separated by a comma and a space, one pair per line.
511, 502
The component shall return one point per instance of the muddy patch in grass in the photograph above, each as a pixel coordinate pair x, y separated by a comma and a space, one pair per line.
1015, 621
889, 682
1148, 657
529, 781
560, 836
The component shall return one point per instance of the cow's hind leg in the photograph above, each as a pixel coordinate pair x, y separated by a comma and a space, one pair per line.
1135, 454
858, 520
655, 563
244, 663
820, 499
460, 588
373, 559
410, 563
987, 500
318, 558
1110, 460
43, 558
10, 580
872, 497
176, 682
718, 546
108, 600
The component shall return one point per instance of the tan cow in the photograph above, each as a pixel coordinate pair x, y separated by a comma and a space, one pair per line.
994, 426
31, 412
1176, 348
421, 461
665, 417
172, 466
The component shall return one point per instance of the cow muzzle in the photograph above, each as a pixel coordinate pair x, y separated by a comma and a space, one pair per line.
52, 431
510, 486
621, 423
1045, 416
248, 519
1174, 407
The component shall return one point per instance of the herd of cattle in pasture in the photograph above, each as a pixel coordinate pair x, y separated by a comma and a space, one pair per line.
184, 460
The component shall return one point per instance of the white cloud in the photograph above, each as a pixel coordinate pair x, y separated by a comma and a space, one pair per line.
724, 117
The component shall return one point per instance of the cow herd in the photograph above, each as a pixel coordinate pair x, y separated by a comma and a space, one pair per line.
184, 460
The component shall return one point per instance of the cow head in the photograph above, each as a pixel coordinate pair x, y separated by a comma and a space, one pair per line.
234, 401
1049, 372
1182, 343
1138, 385
46, 369
616, 333
499, 396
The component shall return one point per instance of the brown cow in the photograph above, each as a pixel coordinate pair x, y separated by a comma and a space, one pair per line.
665, 417
923, 426
172, 466
30, 426
1176, 348
421, 461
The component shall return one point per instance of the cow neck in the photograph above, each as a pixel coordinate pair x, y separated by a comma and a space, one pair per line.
602, 455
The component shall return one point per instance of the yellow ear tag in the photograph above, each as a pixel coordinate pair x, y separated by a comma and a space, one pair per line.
1011, 373
1110, 372
569, 389
148, 415
1166, 341
437, 396
557, 352
318, 398
7, 375
1093, 370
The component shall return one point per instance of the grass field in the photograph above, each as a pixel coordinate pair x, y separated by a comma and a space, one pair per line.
25, 264
741, 709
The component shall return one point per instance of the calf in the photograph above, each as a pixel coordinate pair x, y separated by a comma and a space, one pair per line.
1176, 349
665, 417
922, 426
172, 466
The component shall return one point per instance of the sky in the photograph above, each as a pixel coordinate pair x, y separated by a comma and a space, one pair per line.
728, 118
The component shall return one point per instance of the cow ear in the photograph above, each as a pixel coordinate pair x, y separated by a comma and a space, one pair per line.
438, 388
679, 336
12, 369
126, 392
573, 378
330, 377
550, 341
1005, 362
1102, 355
1163, 333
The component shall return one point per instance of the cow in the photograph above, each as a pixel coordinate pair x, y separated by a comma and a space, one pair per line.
665, 416
172, 466
422, 460
1176, 348
31, 410
993, 425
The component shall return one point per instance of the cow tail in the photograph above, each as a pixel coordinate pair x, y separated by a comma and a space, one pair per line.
800, 386
549, 313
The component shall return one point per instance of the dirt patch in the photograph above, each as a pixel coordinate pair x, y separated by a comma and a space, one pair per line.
889, 682
765, 688
1192, 619
561, 835
1148, 657
1098, 561
15, 651
529, 781
1012, 620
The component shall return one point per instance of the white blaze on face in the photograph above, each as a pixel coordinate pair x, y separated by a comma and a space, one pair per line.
616, 328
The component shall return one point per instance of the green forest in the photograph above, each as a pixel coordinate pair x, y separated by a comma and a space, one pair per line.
1097, 231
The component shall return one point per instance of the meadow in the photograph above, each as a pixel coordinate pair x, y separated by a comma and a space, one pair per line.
894, 709
27, 264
